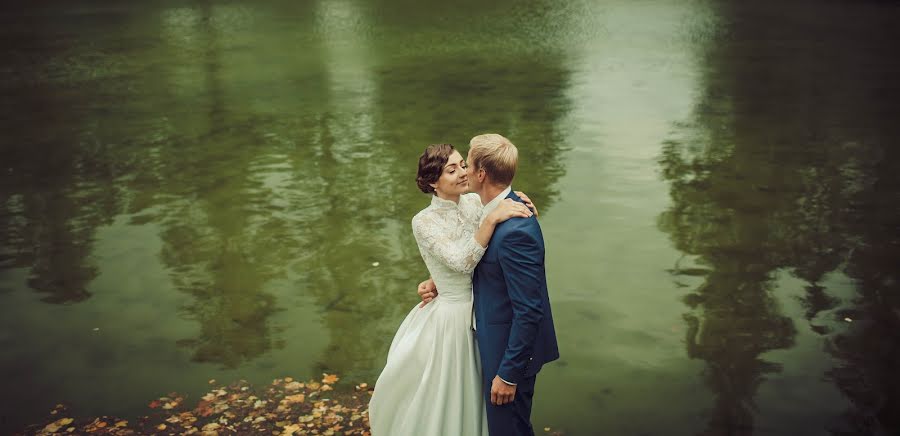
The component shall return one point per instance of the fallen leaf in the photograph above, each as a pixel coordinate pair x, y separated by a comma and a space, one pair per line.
291, 399
154, 404
330, 378
161, 427
121, 424
54, 426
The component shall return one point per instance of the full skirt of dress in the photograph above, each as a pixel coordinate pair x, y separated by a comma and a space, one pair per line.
431, 384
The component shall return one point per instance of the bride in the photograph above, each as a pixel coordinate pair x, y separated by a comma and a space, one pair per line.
431, 384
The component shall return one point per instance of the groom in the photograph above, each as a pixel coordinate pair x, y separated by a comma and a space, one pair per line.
513, 324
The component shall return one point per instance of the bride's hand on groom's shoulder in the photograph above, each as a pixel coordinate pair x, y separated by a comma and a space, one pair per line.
427, 291
508, 208
528, 203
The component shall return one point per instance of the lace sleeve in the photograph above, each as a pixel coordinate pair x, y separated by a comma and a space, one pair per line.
471, 204
459, 255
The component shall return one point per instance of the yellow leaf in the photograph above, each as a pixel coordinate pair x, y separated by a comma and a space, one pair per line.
290, 429
161, 427
330, 378
291, 399
288, 379
53, 427
122, 424
293, 386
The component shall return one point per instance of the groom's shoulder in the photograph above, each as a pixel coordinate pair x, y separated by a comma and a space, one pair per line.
516, 225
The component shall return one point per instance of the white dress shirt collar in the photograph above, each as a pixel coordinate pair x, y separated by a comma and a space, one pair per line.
488, 208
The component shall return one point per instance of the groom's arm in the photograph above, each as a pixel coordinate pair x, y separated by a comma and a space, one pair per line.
427, 291
521, 259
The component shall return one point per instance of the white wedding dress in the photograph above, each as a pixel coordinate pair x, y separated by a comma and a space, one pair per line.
431, 384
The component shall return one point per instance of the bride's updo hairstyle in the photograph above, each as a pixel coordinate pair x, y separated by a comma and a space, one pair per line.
431, 165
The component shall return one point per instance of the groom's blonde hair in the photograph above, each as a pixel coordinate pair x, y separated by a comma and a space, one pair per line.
496, 155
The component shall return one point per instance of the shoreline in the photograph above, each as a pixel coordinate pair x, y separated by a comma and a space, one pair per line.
283, 408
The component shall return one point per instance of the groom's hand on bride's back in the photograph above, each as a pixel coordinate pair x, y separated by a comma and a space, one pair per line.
427, 291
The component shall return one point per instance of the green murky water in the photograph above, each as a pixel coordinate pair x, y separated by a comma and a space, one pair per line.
196, 190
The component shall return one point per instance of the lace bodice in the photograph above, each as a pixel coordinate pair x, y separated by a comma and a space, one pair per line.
445, 233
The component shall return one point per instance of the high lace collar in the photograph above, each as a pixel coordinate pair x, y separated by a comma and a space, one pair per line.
440, 203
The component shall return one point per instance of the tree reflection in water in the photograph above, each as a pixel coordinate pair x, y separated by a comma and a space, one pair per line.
792, 167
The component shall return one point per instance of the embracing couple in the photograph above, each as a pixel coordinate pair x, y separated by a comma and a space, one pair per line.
464, 361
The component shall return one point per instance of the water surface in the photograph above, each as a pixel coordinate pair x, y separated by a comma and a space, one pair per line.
210, 189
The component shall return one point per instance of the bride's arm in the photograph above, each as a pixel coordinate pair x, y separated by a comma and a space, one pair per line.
459, 255
506, 210
462, 255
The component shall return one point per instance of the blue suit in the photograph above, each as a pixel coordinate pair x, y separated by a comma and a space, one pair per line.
514, 325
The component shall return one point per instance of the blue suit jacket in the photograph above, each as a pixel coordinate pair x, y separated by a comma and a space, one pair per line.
514, 325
